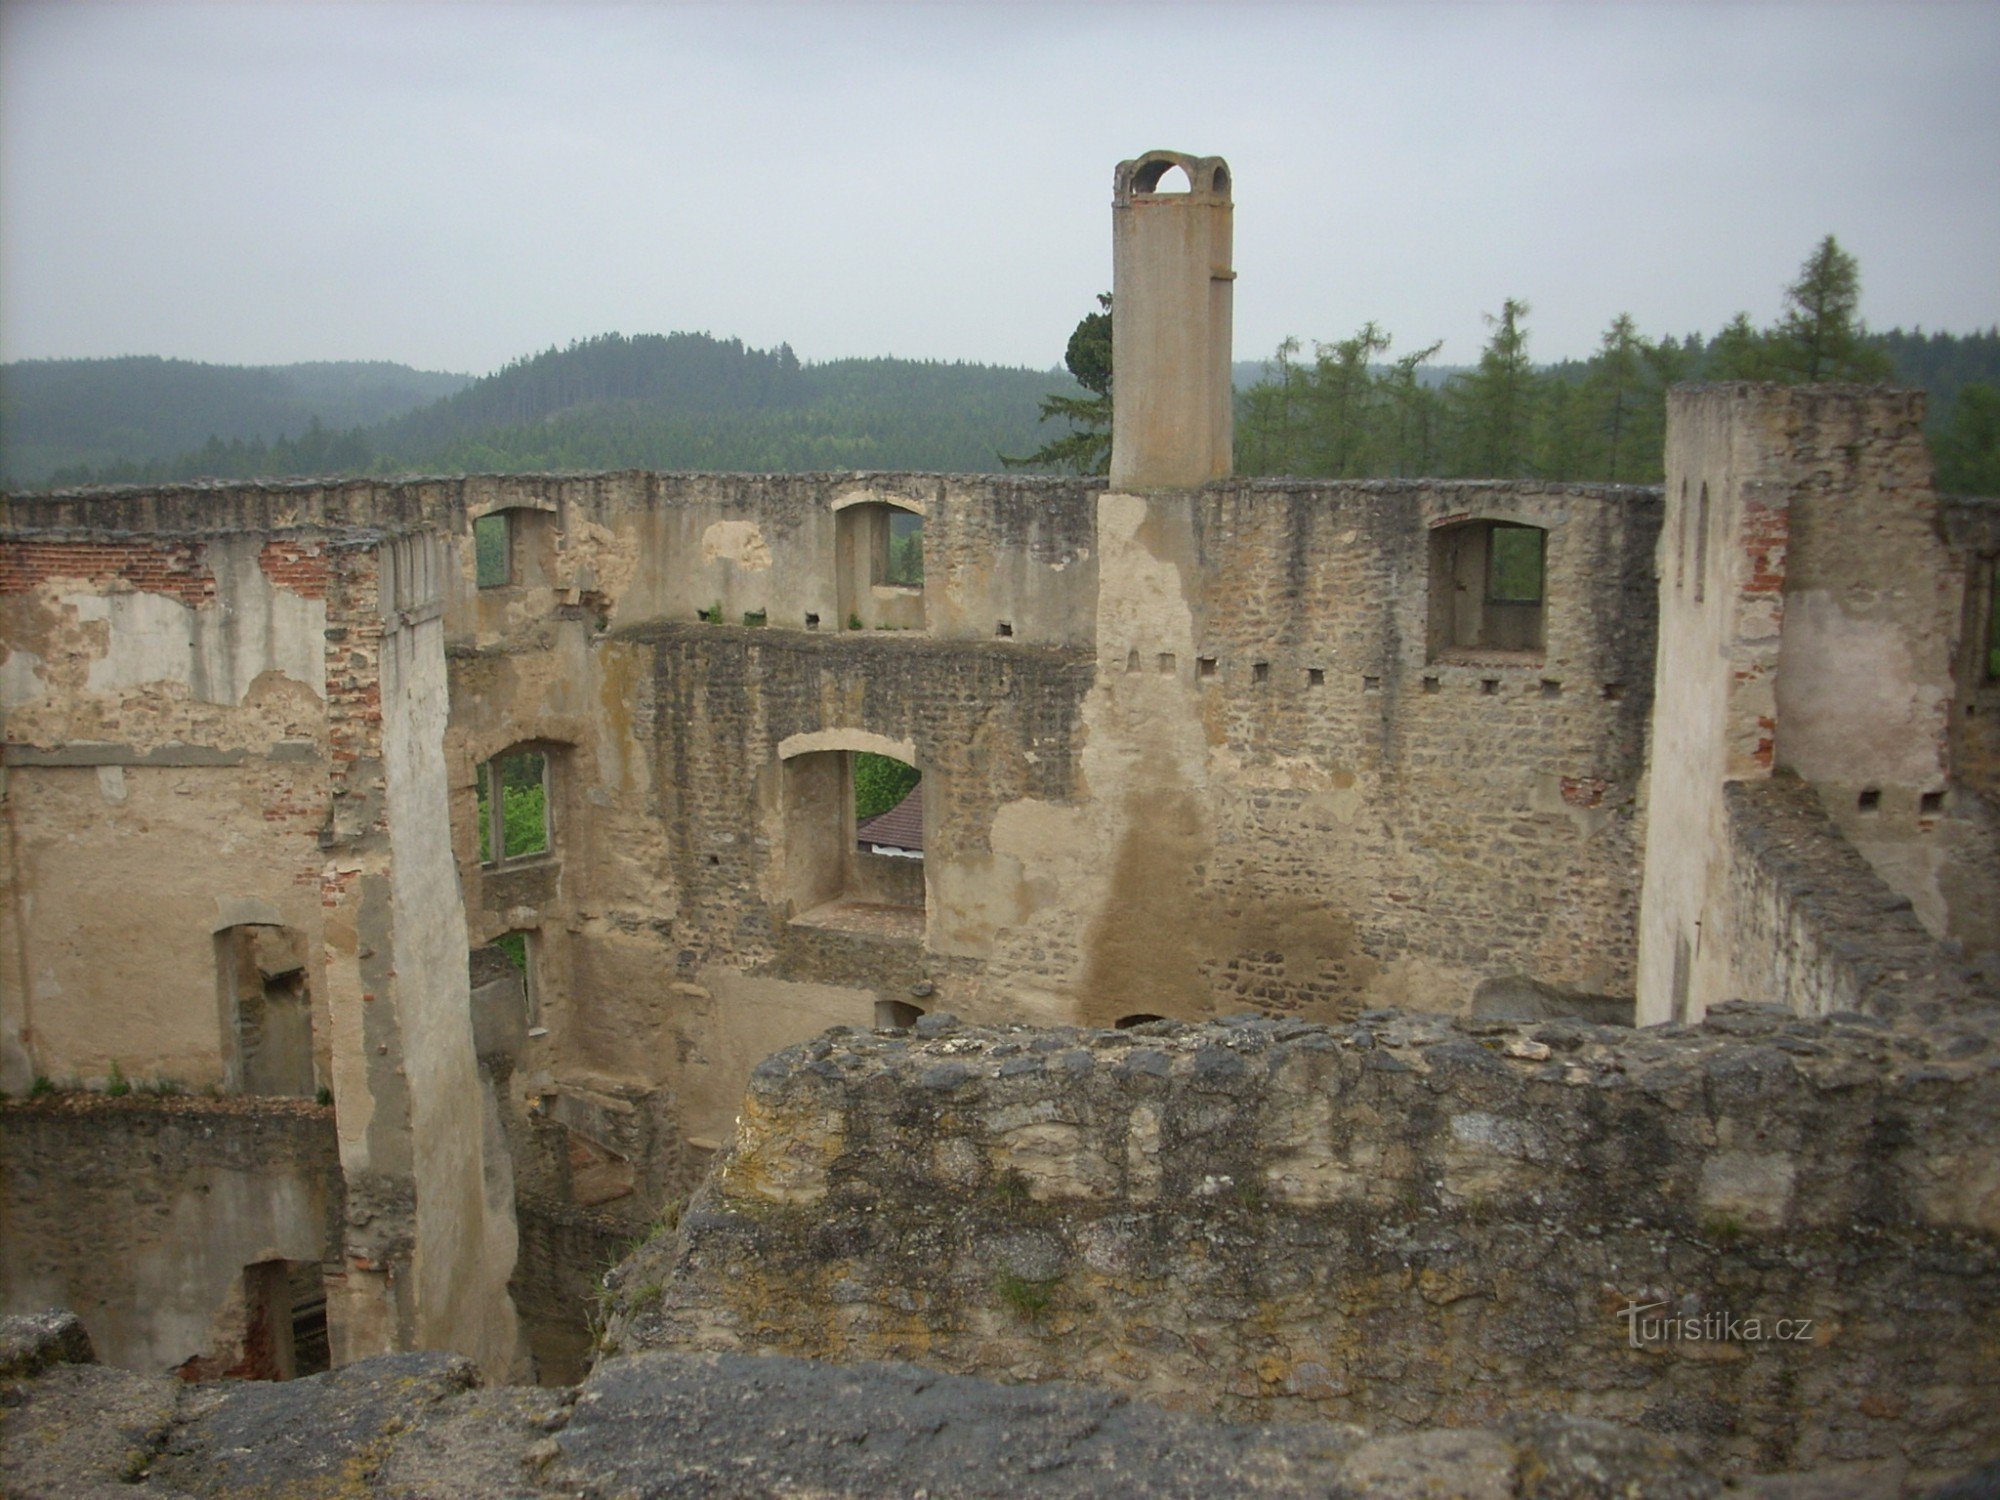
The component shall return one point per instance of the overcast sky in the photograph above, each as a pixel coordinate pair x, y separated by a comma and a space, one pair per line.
454, 185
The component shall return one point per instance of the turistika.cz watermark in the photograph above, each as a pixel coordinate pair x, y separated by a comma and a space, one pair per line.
1650, 1323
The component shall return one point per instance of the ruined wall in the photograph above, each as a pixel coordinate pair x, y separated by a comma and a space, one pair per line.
166, 731
1812, 610
1405, 1222
1973, 529
1191, 752
1814, 927
245, 728
1299, 801
141, 1213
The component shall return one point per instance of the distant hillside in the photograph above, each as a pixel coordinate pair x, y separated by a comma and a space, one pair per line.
677, 401
70, 413
678, 373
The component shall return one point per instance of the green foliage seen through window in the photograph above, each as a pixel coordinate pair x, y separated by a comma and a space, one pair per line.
524, 821
880, 782
1514, 565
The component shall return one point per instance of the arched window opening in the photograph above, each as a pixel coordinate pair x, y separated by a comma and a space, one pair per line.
267, 1010
880, 560
1162, 177
895, 1015
514, 820
854, 837
1487, 588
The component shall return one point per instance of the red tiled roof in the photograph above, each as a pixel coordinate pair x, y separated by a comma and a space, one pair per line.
901, 827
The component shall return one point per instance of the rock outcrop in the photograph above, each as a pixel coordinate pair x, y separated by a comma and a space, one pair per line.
421, 1425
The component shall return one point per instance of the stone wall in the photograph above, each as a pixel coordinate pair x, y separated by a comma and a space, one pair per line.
1405, 1222
1973, 529
1814, 928
142, 1213
1815, 601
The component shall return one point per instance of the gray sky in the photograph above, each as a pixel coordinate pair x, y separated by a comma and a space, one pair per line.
454, 185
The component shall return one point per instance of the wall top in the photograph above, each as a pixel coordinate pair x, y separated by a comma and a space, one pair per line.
1207, 176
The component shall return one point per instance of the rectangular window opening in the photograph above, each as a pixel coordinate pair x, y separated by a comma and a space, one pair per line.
1930, 804
513, 807
1260, 671
1432, 685
493, 551
1551, 688
1514, 565
1870, 800
1993, 620
1167, 663
904, 566
1315, 677
1490, 686
1204, 666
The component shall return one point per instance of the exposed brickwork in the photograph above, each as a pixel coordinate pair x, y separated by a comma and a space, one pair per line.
175, 569
299, 566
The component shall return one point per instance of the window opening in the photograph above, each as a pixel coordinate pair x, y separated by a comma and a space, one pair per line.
279, 1331
519, 947
1993, 619
513, 807
895, 1015
879, 563
1870, 800
1930, 804
854, 842
1701, 546
493, 551
268, 1009
1488, 587
1681, 539
903, 567
1683, 978
1514, 565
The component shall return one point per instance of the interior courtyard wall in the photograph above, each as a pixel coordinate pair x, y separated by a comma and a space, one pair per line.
141, 1213
1812, 615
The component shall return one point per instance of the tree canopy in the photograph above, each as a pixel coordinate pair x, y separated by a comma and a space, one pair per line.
1086, 447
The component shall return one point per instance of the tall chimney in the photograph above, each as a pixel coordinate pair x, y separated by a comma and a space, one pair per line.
1172, 419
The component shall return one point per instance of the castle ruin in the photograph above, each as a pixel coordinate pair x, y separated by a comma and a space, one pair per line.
459, 846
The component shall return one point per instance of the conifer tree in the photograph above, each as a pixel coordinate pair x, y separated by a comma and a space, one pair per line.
1819, 335
1086, 447
1496, 402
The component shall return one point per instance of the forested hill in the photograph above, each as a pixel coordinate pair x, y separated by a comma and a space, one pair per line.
75, 413
682, 372
678, 401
